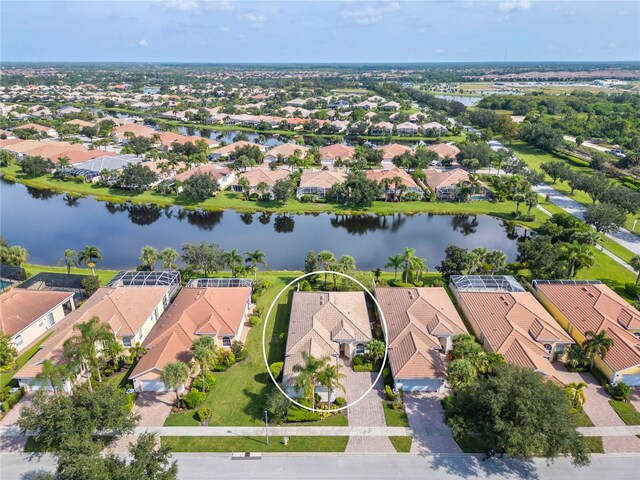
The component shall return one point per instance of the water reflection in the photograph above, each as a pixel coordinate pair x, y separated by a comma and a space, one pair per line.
264, 218
246, 218
359, 225
283, 224
465, 224
144, 214
41, 194
203, 219
70, 200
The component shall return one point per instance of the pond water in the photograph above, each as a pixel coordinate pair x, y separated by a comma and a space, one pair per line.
46, 224
228, 136
466, 101
150, 90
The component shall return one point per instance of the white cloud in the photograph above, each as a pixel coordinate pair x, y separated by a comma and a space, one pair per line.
511, 5
255, 20
196, 5
143, 43
184, 5
367, 14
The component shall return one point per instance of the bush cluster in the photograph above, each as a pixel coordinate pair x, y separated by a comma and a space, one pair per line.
204, 414
193, 399
276, 369
210, 381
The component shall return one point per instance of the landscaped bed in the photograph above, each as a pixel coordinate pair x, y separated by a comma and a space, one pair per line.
401, 444
255, 444
626, 411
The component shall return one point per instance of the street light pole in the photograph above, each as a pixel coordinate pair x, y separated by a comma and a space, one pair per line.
266, 425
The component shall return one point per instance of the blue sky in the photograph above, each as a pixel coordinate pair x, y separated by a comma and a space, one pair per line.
319, 31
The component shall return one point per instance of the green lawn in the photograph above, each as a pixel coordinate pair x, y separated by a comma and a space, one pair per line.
626, 411
401, 444
395, 418
255, 444
5, 377
581, 419
104, 275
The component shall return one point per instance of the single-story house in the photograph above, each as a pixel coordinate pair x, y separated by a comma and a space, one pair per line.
137, 129
427, 127
390, 106
217, 312
507, 319
285, 151
318, 182
443, 183
367, 105
48, 131
229, 149
331, 153
381, 128
26, 315
421, 323
389, 152
445, 150
91, 169
258, 175
80, 123
589, 305
407, 128
225, 176
167, 139
130, 312
333, 324
392, 174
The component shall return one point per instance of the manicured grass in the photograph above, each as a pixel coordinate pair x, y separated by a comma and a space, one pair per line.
581, 419
5, 377
608, 271
104, 275
395, 418
337, 420
594, 444
255, 444
473, 444
401, 444
626, 411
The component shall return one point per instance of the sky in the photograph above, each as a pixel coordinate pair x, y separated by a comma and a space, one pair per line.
351, 31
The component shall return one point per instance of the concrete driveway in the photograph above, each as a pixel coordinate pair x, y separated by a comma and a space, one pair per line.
426, 419
15, 444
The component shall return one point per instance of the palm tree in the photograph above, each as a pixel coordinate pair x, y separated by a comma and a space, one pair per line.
175, 374
246, 186
168, 256
518, 198
263, 188
70, 259
578, 256
462, 191
135, 352
232, 259
113, 350
413, 266
54, 374
376, 349
635, 264
385, 183
82, 347
395, 262
597, 345
576, 393
530, 200
204, 351
326, 258
329, 377
148, 256
89, 256
308, 375
254, 258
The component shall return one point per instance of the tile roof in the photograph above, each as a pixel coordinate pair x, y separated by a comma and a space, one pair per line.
444, 149
337, 150
319, 321
378, 175
227, 149
20, 307
194, 312
515, 325
264, 174
596, 307
216, 171
448, 178
416, 318
287, 149
321, 178
393, 150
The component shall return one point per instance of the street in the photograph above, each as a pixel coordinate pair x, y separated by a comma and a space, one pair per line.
194, 466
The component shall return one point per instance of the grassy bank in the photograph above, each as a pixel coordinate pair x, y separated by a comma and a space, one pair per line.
255, 444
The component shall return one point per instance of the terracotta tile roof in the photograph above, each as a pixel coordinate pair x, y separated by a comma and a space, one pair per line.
515, 325
137, 129
319, 321
215, 171
416, 318
227, 149
321, 178
34, 126
393, 150
80, 123
437, 179
194, 312
287, 150
264, 174
378, 175
20, 307
444, 149
337, 150
596, 307
124, 309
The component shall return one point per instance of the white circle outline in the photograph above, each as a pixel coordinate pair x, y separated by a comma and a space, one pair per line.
384, 332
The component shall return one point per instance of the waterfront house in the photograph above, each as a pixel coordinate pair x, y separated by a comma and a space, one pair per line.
284, 151
330, 153
318, 182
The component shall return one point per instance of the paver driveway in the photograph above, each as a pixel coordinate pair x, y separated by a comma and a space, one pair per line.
426, 419
15, 444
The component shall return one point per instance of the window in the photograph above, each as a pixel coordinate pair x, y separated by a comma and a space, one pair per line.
226, 342
126, 341
359, 349
17, 340
560, 348
50, 319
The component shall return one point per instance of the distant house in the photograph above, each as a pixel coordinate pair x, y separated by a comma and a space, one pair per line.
389, 152
339, 104
381, 128
331, 153
80, 123
407, 128
444, 150
390, 106
431, 126
49, 131
285, 151
391, 174
229, 149
443, 183
421, 323
324, 324
258, 175
223, 175
317, 183
91, 170
367, 105
589, 305
167, 139
296, 102
27, 315
507, 319
217, 312
120, 132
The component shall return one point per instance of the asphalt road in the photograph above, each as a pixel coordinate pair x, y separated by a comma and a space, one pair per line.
196, 466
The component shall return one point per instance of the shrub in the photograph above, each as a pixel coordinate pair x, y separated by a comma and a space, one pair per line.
390, 395
12, 399
254, 197
621, 392
193, 399
340, 401
259, 311
306, 198
299, 414
282, 336
358, 360
239, 351
131, 399
90, 285
438, 282
365, 367
632, 290
305, 286
397, 283
210, 381
276, 369
254, 320
386, 376
203, 414
226, 359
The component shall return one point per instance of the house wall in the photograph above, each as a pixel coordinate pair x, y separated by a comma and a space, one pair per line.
40, 326
146, 326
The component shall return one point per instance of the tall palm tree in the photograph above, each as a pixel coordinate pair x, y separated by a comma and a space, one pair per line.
89, 256
148, 256
462, 191
168, 257
135, 352
263, 188
597, 344
232, 259
385, 183
326, 258
244, 183
204, 351
395, 262
308, 375
414, 266
576, 393
70, 259
578, 256
82, 348
255, 258
329, 377
173, 375
54, 374
113, 349
635, 264
518, 198
530, 200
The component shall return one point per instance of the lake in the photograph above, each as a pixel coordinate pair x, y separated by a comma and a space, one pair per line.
463, 99
228, 136
46, 224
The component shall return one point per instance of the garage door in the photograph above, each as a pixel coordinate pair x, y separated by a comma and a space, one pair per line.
152, 386
631, 380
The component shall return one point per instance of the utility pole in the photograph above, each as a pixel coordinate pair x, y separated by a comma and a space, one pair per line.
266, 425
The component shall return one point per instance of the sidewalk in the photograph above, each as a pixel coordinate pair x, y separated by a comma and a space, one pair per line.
620, 431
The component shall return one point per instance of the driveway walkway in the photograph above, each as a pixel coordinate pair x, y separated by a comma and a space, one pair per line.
634, 397
624, 237
600, 412
426, 419
367, 412
15, 443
